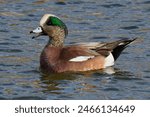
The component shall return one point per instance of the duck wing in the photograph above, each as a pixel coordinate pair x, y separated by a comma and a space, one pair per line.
104, 48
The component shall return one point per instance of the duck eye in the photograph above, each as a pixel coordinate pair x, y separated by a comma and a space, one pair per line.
54, 21
49, 22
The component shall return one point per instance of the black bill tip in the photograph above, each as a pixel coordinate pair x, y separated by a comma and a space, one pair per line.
33, 37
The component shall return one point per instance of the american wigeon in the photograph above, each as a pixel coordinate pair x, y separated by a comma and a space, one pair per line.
57, 58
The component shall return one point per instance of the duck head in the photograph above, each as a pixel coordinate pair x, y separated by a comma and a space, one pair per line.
52, 26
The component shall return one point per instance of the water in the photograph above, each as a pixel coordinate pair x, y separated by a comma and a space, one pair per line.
97, 20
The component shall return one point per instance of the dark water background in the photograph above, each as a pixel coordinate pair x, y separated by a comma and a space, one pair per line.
87, 20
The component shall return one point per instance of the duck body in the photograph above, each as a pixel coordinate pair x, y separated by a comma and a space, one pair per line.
57, 58
69, 59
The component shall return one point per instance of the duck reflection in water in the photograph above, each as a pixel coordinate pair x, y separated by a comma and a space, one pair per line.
82, 82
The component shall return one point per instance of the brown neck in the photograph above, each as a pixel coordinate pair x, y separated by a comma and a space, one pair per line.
56, 39
56, 42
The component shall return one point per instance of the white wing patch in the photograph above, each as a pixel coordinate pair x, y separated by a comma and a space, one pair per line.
109, 60
81, 58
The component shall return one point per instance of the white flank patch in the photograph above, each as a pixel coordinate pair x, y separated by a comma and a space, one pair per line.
81, 58
109, 60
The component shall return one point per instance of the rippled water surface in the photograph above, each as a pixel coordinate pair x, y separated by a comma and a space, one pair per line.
87, 20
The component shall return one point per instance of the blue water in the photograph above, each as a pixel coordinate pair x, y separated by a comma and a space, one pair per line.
96, 20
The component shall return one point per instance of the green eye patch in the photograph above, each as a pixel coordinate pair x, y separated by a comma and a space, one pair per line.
54, 21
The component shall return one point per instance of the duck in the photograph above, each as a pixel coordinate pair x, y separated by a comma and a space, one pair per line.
79, 57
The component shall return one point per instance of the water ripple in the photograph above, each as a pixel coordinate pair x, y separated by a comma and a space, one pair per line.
11, 50
112, 5
28, 98
130, 27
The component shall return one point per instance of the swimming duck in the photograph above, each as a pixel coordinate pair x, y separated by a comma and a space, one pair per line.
57, 58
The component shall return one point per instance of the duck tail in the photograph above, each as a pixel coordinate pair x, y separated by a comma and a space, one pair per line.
121, 45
